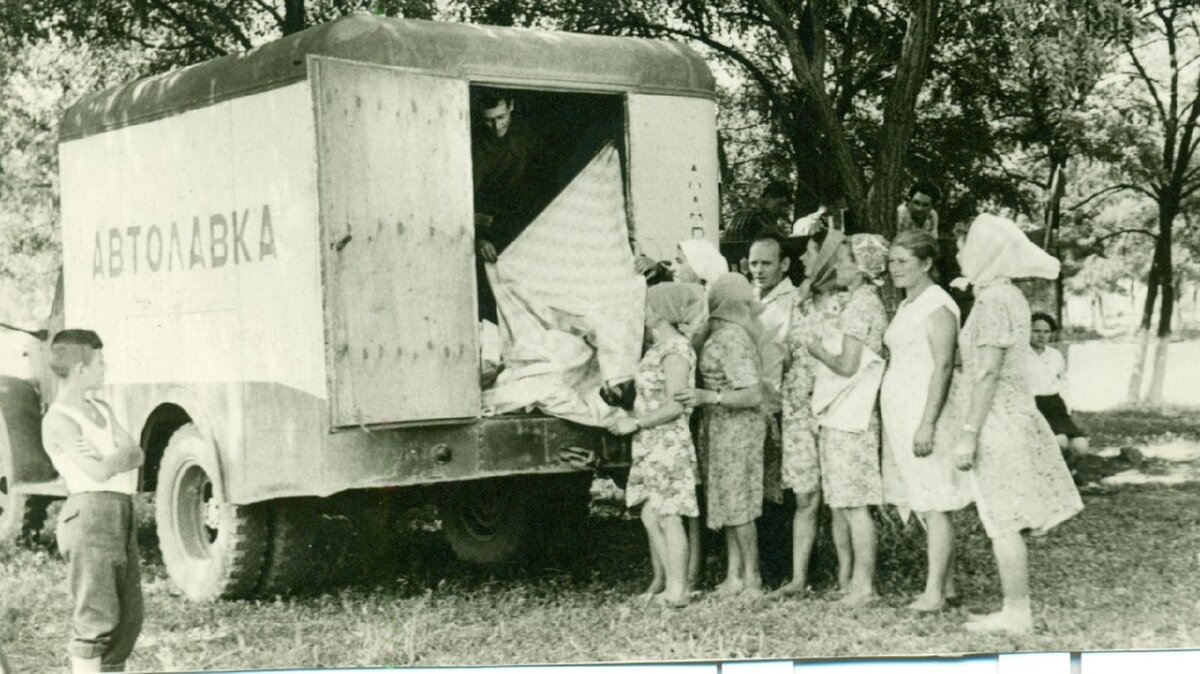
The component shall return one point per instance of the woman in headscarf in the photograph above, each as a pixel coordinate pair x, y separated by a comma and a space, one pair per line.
1016, 472
663, 476
817, 304
698, 261
918, 425
848, 440
733, 427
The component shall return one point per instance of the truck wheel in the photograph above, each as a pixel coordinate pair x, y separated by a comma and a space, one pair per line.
489, 521
291, 558
21, 516
211, 549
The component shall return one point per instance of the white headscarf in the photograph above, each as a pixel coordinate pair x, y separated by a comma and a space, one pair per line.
704, 259
997, 249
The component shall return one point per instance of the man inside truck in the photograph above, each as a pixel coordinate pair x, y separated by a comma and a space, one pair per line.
512, 178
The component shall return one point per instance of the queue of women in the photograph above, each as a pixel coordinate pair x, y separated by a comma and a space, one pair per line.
911, 411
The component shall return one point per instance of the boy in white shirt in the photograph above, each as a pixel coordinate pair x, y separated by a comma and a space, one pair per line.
99, 463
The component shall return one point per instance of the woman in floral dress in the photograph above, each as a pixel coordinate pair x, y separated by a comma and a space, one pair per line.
1016, 471
816, 306
663, 476
918, 424
850, 477
733, 427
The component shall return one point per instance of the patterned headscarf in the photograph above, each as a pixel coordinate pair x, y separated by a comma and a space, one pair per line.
821, 267
679, 304
732, 299
871, 254
704, 259
997, 249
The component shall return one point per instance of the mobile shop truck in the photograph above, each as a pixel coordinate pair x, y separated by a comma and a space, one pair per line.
278, 250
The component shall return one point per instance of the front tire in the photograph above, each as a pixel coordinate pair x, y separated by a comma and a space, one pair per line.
212, 549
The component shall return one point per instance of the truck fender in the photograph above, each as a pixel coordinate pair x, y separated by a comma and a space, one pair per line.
24, 454
199, 409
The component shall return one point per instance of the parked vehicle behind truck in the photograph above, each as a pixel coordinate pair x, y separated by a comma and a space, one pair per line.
278, 251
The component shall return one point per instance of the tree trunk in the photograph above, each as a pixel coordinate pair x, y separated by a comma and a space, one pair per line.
294, 19
899, 118
1166, 275
1134, 392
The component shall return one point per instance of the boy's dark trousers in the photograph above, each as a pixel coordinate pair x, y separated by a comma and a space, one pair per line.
98, 537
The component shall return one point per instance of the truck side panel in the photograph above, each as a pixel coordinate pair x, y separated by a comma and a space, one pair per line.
190, 243
673, 171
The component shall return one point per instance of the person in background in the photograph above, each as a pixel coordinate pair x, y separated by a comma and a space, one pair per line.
663, 476
918, 211
770, 215
768, 273
815, 307
1016, 472
98, 461
850, 471
733, 427
1048, 382
512, 181
918, 429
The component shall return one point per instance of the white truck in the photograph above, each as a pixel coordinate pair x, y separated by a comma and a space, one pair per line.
277, 249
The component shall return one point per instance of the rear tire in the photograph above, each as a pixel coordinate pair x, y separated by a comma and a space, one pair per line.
488, 522
211, 549
291, 560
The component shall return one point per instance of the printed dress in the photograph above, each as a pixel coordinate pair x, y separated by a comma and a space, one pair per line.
929, 483
1019, 480
850, 473
663, 474
801, 465
732, 439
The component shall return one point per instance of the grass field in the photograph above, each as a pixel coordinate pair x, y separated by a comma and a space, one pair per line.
1124, 574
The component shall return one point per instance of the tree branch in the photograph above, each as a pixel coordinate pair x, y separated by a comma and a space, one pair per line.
1122, 232
1112, 189
1149, 81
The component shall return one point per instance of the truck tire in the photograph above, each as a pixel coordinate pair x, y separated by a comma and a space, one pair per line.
21, 517
291, 560
356, 541
211, 549
490, 521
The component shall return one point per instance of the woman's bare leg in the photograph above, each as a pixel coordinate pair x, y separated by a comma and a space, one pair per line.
804, 533
695, 558
845, 551
659, 582
863, 540
747, 537
676, 558
734, 581
939, 549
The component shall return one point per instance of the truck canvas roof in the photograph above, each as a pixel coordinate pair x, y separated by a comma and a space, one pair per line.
485, 54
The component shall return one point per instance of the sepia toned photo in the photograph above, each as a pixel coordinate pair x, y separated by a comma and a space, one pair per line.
393, 333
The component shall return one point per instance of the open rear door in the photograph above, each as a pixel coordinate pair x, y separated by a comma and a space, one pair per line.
396, 215
674, 178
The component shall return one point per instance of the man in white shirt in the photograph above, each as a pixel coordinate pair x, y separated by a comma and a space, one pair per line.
1048, 382
768, 271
